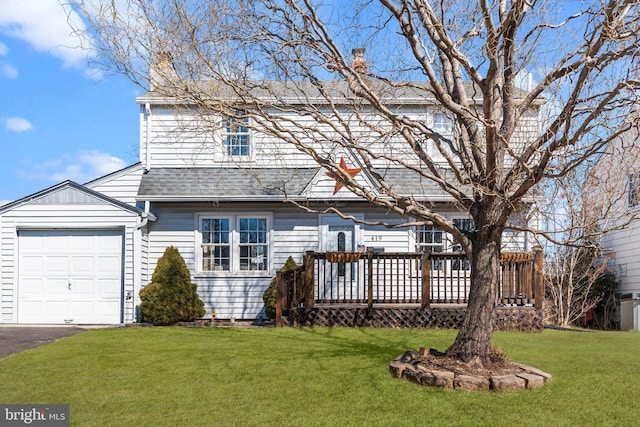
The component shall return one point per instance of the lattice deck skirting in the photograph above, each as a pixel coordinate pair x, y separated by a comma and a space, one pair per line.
507, 318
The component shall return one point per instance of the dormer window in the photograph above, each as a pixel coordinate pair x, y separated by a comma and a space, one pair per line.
237, 139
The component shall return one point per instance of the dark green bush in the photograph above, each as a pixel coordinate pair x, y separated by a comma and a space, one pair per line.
170, 297
269, 296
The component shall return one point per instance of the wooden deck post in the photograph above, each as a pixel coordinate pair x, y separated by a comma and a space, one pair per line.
370, 278
426, 280
308, 282
538, 282
280, 295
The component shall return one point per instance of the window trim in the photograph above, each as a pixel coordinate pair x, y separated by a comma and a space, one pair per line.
234, 243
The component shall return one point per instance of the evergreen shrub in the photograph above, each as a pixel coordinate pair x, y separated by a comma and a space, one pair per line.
170, 297
269, 295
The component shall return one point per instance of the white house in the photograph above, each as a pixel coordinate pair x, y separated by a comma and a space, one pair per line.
81, 253
617, 180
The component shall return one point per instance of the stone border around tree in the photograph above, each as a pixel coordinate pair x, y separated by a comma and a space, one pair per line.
408, 366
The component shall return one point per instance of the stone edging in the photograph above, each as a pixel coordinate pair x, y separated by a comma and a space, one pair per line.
408, 366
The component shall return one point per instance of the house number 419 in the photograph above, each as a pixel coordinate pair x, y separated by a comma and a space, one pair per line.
376, 238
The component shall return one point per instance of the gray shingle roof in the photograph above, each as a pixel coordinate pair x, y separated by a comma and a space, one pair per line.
174, 184
409, 183
223, 183
301, 92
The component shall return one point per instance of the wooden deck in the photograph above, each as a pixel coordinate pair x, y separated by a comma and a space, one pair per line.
403, 290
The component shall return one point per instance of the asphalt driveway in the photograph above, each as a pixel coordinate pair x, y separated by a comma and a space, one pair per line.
14, 339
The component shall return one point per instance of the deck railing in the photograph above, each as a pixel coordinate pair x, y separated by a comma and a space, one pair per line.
400, 278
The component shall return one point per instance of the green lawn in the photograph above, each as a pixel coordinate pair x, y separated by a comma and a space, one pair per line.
315, 377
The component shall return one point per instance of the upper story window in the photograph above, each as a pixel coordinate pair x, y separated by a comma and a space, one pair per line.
634, 190
234, 243
441, 123
237, 138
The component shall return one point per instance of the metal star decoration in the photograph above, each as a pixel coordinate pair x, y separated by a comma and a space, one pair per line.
340, 175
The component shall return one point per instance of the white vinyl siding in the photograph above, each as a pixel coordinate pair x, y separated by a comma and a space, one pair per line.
122, 186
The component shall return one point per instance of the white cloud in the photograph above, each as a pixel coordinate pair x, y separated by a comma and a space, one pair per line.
81, 168
8, 71
18, 124
4, 50
44, 24
101, 163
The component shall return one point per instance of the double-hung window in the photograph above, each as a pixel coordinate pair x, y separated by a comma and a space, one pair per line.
216, 244
464, 225
431, 239
253, 244
234, 243
442, 124
237, 139
634, 190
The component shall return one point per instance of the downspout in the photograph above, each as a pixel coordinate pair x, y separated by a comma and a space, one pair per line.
146, 215
147, 160
143, 219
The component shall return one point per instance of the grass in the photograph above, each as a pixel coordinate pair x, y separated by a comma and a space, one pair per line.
314, 377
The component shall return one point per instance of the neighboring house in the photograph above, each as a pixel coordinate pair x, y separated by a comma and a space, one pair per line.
81, 253
616, 178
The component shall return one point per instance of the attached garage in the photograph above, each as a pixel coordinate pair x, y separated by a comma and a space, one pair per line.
68, 256
70, 276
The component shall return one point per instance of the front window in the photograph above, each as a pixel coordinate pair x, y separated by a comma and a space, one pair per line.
237, 139
216, 249
253, 243
234, 243
465, 225
430, 239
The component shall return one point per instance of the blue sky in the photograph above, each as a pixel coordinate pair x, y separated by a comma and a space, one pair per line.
59, 118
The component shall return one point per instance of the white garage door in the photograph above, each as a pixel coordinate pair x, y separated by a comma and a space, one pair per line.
70, 277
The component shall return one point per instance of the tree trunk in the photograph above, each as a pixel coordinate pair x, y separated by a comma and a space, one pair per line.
473, 343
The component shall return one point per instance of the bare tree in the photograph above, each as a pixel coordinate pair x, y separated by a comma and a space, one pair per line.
469, 58
572, 274
581, 206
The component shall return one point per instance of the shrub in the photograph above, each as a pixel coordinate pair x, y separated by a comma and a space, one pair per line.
269, 295
170, 297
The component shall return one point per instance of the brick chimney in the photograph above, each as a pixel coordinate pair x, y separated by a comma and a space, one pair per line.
359, 64
161, 71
